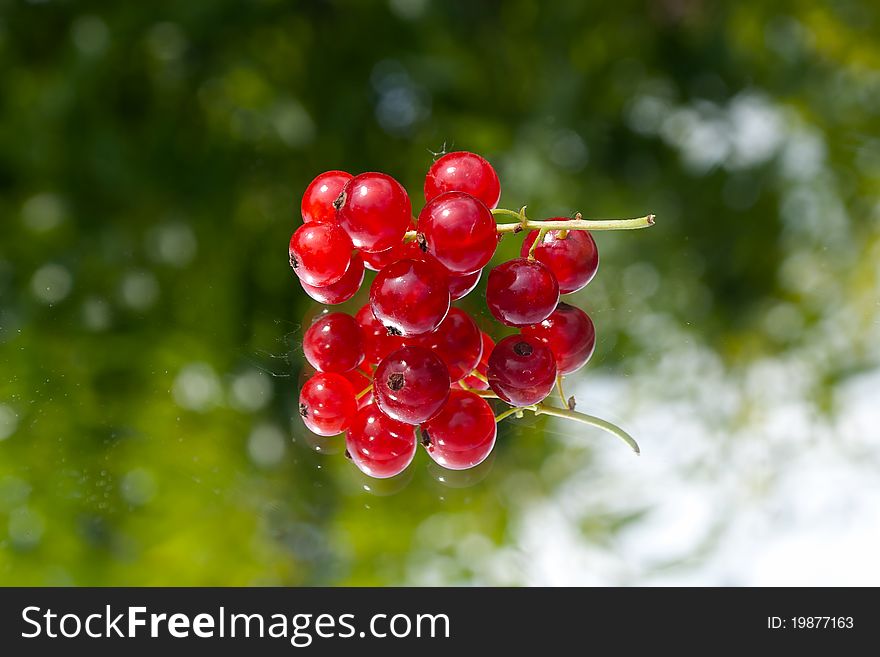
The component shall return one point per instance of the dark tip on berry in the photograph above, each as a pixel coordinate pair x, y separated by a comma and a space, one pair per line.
523, 349
303, 410
571, 403
294, 263
348, 455
393, 331
396, 381
426, 439
423, 243
340, 201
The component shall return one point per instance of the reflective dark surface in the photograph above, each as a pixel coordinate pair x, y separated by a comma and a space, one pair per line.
152, 160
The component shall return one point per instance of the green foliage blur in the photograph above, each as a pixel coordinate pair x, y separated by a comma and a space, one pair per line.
152, 156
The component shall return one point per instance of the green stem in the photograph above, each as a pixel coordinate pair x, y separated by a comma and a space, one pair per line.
538, 240
524, 223
364, 391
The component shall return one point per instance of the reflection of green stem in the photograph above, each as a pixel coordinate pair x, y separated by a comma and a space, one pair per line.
559, 389
362, 373
507, 413
591, 420
479, 376
583, 418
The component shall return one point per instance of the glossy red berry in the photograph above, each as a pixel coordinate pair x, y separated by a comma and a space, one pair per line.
411, 384
570, 335
522, 370
333, 343
320, 254
317, 201
573, 260
463, 172
378, 445
374, 210
459, 231
457, 341
474, 382
327, 403
410, 297
343, 289
463, 433
381, 259
461, 286
520, 292
376, 340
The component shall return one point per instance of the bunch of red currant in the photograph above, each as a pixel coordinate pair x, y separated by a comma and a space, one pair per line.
408, 359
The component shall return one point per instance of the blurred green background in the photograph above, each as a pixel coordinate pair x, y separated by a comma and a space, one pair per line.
152, 157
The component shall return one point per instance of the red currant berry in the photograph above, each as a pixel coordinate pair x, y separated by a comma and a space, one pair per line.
333, 343
410, 297
378, 445
522, 370
343, 289
359, 379
459, 231
327, 403
381, 259
520, 292
374, 210
457, 342
317, 201
377, 342
411, 384
570, 335
474, 382
320, 254
463, 433
573, 260
461, 286
463, 172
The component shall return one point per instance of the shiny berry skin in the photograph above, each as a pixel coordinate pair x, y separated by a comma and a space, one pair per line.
381, 259
457, 341
461, 286
377, 343
570, 335
410, 297
327, 403
463, 433
374, 210
463, 172
317, 201
471, 381
520, 292
380, 446
411, 384
333, 343
522, 370
320, 254
459, 231
343, 289
573, 260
